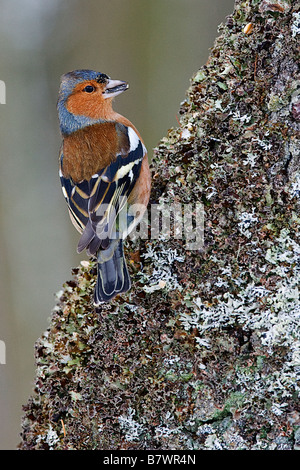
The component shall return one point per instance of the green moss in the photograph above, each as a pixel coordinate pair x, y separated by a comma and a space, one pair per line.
209, 359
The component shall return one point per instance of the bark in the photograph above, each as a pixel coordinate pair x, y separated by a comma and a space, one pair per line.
204, 351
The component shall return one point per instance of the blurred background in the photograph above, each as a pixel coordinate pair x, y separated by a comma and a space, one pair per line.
156, 46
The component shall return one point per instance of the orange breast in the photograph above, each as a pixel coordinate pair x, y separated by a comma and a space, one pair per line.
90, 149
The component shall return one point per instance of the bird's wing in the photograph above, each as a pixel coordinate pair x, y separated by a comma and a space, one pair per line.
94, 205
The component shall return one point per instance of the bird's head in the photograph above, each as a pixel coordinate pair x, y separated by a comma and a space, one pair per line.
85, 97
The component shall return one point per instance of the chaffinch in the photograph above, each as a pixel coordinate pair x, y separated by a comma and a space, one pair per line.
104, 174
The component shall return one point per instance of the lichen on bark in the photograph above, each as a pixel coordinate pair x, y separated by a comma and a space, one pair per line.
204, 351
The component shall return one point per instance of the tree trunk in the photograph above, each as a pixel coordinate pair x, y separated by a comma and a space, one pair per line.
204, 351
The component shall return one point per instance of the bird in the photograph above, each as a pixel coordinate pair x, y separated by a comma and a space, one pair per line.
104, 174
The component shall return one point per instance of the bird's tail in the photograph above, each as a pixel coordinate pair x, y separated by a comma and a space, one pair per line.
112, 276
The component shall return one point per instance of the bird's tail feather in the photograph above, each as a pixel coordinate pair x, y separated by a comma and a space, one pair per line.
112, 276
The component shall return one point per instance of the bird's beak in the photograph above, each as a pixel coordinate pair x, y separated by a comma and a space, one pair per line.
114, 88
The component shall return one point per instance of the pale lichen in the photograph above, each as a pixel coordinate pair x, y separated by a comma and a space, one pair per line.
130, 426
296, 24
161, 276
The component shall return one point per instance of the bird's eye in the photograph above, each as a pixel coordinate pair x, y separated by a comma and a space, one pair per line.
89, 89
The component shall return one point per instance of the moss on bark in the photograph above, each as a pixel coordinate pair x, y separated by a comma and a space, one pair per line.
204, 351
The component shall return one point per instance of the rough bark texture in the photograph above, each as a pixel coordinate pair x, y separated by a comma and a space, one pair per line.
204, 351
